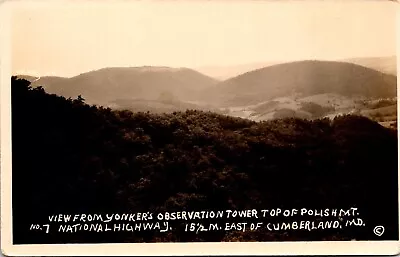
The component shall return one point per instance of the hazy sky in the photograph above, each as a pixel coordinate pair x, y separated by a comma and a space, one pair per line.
68, 39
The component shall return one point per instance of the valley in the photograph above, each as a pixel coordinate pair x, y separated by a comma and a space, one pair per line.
318, 106
307, 89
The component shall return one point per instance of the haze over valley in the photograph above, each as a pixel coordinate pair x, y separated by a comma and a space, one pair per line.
302, 89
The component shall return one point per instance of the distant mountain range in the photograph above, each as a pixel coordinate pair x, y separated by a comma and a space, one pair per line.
303, 78
306, 89
109, 84
226, 72
386, 65
383, 64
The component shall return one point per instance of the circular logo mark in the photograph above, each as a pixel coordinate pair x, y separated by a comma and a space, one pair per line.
379, 230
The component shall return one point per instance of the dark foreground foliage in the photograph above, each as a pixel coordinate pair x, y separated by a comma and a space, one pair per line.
69, 157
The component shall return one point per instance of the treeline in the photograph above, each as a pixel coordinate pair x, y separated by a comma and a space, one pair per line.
69, 157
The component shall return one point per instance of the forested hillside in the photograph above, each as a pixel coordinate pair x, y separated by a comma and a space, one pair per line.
69, 157
304, 78
109, 84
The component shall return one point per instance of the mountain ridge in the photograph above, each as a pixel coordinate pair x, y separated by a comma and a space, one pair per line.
305, 78
302, 78
146, 82
386, 64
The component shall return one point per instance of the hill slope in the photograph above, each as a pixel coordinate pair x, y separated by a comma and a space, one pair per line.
108, 84
27, 77
383, 64
69, 157
48, 81
304, 78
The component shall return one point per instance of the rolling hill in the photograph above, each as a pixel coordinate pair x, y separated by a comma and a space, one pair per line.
45, 81
227, 72
303, 89
150, 83
303, 78
48, 81
27, 77
383, 64
72, 158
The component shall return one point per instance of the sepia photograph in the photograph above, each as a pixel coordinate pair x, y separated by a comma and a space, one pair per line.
137, 122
